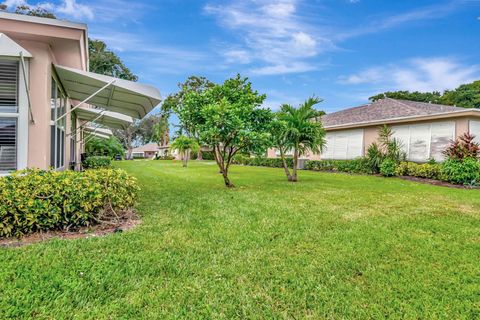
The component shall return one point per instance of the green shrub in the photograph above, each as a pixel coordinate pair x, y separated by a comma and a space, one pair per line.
388, 167
104, 147
206, 155
261, 161
97, 162
427, 170
360, 165
165, 157
35, 200
466, 171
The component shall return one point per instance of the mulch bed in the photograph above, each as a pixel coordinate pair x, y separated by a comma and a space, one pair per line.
437, 183
100, 230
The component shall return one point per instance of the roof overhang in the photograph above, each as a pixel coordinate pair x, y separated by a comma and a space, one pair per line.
454, 114
9, 48
106, 118
118, 95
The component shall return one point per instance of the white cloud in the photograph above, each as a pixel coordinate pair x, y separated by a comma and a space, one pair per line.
14, 3
272, 33
68, 8
419, 74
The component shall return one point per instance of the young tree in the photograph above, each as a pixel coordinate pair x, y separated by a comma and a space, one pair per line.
228, 119
300, 130
185, 147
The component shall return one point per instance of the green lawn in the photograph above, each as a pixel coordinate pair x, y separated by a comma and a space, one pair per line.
331, 246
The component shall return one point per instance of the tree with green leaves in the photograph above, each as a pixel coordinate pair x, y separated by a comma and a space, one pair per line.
105, 61
228, 119
30, 11
187, 114
104, 147
161, 131
185, 146
300, 130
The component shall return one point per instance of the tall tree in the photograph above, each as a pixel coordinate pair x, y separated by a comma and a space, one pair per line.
228, 118
188, 113
105, 61
30, 11
298, 129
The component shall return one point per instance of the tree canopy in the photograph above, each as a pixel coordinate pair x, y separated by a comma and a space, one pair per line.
466, 96
105, 61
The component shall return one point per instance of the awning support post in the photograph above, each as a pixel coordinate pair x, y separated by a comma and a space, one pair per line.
88, 98
22, 62
88, 122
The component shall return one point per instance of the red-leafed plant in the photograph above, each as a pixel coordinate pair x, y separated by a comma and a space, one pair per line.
462, 148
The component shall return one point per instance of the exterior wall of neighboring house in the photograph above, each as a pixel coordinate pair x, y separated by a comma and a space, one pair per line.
421, 139
48, 44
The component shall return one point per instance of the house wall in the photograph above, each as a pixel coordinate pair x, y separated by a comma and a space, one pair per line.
370, 133
48, 45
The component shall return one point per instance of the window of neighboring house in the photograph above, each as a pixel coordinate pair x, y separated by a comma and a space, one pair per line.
425, 141
9, 114
58, 107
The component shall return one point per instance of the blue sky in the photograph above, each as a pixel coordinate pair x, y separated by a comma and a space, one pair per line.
341, 50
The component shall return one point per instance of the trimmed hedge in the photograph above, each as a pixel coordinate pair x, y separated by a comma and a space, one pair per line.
97, 162
425, 170
35, 200
360, 165
166, 157
466, 171
206, 155
261, 161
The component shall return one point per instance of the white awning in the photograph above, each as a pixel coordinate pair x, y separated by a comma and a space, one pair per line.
118, 95
101, 131
98, 135
9, 48
108, 119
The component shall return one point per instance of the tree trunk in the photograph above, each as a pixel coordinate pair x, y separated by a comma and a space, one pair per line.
199, 154
185, 159
295, 165
228, 183
217, 157
285, 166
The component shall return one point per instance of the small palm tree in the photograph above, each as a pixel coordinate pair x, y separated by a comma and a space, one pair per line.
302, 132
185, 147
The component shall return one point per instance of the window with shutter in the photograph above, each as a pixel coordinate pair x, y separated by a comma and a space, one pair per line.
442, 134
475, 130
8, 144
8, 86
341, 145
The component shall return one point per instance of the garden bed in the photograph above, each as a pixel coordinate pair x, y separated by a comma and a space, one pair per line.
437, 182
128, 220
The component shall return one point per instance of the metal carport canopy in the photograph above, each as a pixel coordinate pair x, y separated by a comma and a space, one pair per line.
108, 119
113, 94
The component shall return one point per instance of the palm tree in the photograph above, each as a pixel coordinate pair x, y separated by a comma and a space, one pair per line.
302, 132
185, 146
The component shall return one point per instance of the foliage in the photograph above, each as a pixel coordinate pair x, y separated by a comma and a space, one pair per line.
185, 146
262, 161
466, 96
388, 167
97, 162
34, 200
206, 155
358, 166
387, 148
227, 118
298, 129
104, 61
161, 131
425, 170
462, 148
164, 157
110, 147
466, 171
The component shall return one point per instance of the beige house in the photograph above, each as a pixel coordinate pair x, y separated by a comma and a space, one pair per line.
147, 151
48, 98
424, 129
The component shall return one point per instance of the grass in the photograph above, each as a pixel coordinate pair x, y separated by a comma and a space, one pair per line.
330, 246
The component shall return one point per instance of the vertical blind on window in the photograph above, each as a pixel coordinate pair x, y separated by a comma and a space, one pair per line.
8, 142
8, 86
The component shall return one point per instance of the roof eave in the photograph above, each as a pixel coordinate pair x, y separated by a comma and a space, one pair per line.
461, 113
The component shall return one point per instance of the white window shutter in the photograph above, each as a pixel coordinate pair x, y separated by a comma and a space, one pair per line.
442, 135
355, 144
475, 130
419, 142
402, 135
327, 152
340, 146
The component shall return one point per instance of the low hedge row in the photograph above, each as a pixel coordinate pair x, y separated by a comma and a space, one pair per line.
35, 200
97, 162
425, 170
261, 161
360, 165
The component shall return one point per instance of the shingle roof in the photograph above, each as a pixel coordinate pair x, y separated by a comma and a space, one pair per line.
149, 147
385, 109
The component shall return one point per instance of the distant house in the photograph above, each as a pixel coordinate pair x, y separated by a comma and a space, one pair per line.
424, 129
147, 151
